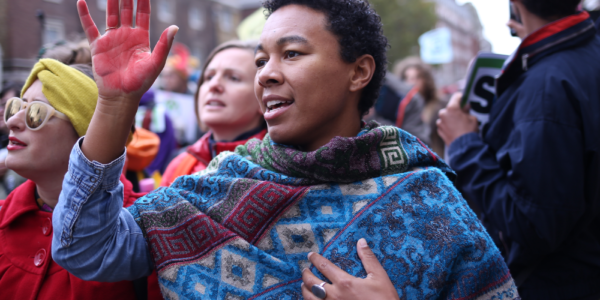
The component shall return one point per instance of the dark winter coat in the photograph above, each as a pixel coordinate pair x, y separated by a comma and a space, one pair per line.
536, 172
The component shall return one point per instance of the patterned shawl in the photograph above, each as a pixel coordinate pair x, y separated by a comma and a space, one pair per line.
242, 228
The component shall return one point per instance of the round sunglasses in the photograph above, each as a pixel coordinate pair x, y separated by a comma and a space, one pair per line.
37, 113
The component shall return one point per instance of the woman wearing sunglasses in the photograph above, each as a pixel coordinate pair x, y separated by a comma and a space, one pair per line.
54, 110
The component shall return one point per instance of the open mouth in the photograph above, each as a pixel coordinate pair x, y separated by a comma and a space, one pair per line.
215, 103
12, 143
15, 142
275, 105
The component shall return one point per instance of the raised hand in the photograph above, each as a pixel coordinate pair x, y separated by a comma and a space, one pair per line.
124, 69
123, 63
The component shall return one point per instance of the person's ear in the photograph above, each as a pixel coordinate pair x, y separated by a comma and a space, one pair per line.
362, 73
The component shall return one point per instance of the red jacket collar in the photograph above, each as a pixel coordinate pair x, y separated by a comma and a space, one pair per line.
22, 200
19, 202
554, 28
567, 32
202, 152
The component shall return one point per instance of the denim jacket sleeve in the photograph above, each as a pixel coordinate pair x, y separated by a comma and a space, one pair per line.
95, 238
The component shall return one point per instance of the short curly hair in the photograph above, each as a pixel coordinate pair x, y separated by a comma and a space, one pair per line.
548, 9
359, 31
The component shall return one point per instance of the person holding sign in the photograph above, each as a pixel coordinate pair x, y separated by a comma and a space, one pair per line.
534, 170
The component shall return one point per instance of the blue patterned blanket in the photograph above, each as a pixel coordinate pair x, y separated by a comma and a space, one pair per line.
242, 228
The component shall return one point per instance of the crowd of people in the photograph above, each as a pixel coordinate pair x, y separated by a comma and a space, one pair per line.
319, 174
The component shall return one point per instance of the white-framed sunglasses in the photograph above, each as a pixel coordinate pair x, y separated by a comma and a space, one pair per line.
37, 113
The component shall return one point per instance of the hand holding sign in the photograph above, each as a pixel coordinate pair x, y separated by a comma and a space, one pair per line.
480, 90
455, 121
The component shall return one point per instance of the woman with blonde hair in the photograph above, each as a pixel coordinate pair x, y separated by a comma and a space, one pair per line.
226, 101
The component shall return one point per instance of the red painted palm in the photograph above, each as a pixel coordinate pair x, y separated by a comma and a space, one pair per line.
123, 62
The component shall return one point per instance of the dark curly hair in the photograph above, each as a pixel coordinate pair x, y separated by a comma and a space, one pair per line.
359, 31
551, 9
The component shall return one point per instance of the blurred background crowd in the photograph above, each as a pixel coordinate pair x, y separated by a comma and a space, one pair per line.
432, 43
204, 103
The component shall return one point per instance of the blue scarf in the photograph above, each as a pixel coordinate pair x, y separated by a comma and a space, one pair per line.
242, 228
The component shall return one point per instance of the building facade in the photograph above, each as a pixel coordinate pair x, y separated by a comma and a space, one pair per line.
28, 25
228, 14
467, 39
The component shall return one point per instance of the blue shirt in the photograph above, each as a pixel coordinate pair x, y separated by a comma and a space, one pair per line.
108, 245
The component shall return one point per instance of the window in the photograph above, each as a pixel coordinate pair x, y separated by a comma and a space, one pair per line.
196, 18
101, 5
54, 30
198, 50
166, 11
226, 20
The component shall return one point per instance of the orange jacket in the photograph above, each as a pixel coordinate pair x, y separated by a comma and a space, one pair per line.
142, 150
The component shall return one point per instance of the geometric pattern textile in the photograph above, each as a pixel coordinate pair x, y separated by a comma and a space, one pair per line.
242, 228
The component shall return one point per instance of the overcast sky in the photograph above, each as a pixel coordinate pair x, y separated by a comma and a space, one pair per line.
494, 15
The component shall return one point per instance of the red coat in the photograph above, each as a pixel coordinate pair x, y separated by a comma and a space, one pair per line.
27, 270
197, 157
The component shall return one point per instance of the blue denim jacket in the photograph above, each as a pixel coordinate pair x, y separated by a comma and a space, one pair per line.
95, 238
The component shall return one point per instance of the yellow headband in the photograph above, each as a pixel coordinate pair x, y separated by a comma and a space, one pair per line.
68, 90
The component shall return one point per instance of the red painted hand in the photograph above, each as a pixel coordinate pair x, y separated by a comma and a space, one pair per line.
124, 69
123, 63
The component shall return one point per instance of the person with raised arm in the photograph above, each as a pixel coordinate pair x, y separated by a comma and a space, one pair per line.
248, 226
